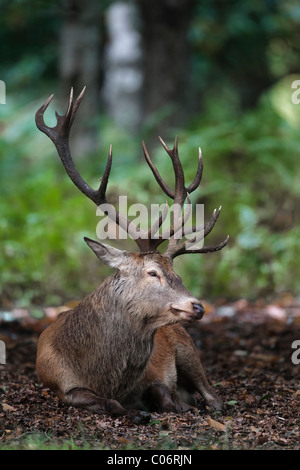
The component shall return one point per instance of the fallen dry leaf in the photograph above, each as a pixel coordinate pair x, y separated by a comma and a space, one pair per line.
254, 429
265, 357
6, 407
215, 424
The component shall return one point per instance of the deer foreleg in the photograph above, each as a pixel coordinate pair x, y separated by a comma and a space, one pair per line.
86, 398
191, 374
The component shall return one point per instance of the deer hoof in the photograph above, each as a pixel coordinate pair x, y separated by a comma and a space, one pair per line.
216, 403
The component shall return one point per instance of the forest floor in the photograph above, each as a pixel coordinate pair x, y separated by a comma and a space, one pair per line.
246, 350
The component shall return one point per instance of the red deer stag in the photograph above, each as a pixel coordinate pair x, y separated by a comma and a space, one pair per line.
123, 346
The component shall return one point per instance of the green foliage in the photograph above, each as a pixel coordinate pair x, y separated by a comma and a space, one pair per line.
28, 31
246, 45
43, 220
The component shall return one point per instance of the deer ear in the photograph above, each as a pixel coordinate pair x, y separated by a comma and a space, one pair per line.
109, 255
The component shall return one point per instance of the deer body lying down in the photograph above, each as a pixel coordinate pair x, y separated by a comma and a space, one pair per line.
101, 350
123, 346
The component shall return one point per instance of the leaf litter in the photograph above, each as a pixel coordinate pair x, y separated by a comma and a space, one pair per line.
245, 349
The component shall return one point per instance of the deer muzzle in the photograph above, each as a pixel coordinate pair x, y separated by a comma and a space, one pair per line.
188, 310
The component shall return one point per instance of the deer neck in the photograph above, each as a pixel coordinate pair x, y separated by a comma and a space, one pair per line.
126, 344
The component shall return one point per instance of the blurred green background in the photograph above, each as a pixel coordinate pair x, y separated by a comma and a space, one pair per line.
218, 74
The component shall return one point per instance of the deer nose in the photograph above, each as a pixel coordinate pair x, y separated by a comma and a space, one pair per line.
198, 310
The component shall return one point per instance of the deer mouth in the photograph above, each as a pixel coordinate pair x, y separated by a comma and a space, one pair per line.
196, 311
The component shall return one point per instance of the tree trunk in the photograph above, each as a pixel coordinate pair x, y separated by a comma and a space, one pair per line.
79, 66
166, 59
123, 74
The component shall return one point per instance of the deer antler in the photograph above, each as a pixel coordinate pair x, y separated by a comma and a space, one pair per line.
175, 248
59, 135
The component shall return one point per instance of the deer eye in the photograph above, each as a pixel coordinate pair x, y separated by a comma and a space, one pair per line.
152, 273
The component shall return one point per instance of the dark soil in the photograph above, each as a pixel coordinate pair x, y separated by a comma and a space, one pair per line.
246, 354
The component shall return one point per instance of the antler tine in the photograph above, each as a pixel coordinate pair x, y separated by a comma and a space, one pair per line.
104, 179
180, 193
170, 232
203, 229
205, 249
206, 227
194, 185
158, 223
39, 116
181, 221
179, 249
169, 192
77, 103
179, 175
65, 120
59, 135
180, 190
202, 232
